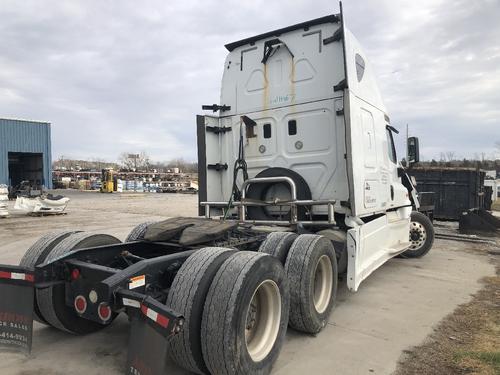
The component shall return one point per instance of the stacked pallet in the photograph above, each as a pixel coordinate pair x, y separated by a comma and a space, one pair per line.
4, 199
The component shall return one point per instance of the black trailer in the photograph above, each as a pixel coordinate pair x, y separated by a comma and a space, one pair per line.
455, 189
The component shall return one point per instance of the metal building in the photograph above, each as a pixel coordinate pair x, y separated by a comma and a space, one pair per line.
25, 152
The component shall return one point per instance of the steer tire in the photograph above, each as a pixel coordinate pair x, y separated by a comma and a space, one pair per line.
421, 225
311, 268
277, 244
237, 337
187, 297
138, 232
52, 300
36, 255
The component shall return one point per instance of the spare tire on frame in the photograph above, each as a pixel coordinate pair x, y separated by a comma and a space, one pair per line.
268, 191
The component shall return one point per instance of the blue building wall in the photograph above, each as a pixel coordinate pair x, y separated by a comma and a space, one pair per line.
25, 136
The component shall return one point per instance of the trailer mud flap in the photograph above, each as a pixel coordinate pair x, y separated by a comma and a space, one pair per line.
147, 349
17, 295
152, 325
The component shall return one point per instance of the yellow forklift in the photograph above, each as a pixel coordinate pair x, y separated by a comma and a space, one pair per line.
108, 181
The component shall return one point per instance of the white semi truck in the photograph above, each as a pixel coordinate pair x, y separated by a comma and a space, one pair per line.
299, 183
302, 106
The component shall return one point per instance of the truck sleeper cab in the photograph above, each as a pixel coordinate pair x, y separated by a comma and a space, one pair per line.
302, 103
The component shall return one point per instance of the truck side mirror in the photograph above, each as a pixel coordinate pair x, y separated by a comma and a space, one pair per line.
413, 150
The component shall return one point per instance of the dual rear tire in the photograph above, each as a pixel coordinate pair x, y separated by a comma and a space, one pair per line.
37, 254
311, 267
50, 303
237, 304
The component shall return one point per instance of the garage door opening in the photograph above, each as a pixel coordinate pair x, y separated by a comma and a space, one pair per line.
25, 166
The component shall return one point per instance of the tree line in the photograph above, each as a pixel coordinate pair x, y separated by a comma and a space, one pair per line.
127, 162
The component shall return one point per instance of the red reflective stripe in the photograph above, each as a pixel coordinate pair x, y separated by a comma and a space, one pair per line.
162, 320
8, 275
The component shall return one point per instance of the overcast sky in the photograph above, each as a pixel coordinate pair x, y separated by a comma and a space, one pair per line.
130, 76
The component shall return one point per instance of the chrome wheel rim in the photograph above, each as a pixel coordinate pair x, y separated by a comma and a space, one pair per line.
418, 235
263, 320
323, 283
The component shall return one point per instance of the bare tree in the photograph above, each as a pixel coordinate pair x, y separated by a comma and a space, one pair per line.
135, 162
450, 155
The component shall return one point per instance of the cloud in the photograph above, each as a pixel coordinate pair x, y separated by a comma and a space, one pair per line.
118, 77
438, 65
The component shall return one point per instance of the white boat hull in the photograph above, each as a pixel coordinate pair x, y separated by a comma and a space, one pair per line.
41, 205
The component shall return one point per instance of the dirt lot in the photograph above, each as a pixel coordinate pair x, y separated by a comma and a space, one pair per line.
496, 205
465, 342
395, 309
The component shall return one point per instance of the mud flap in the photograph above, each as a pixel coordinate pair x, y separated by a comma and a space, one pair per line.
17, 293
152, 325
147, 349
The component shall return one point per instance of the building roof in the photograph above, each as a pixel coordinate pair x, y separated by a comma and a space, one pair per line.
2, 119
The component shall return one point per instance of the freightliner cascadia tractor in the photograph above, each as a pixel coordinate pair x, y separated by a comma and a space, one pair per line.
299, 188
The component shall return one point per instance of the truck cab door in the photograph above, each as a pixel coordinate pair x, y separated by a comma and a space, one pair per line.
380, 208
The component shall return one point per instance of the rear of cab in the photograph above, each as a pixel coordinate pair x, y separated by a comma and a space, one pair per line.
318, 112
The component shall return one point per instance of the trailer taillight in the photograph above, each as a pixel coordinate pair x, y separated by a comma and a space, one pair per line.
80, 304
75, 274
104, 311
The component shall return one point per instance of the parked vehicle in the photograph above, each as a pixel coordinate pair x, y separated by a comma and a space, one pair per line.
299, 168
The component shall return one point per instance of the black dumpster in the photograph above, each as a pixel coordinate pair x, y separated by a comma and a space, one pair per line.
455, 189
488, 197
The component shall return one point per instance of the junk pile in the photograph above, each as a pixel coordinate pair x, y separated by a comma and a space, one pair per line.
25, 189
4, 199
478, 219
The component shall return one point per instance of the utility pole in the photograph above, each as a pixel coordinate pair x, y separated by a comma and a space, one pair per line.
407, 156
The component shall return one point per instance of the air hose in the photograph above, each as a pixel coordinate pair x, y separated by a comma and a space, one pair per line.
239, 165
